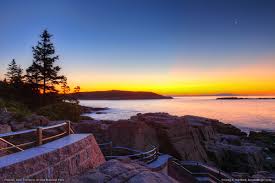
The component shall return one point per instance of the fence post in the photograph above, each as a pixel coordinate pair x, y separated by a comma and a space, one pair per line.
39, 136
111, 150
156, 152
68, 127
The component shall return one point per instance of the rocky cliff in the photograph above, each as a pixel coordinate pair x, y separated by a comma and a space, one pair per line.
186, 138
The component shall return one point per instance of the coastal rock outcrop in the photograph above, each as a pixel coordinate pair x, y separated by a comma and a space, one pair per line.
122, 171
4, 128
98, 128
186, 138
9, 122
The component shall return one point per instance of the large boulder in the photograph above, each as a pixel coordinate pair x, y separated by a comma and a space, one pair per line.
28, 122
120, 171
176, 136
34, 120
5, 128
17, 126
245, 158
135, 134
6, 117
97, 128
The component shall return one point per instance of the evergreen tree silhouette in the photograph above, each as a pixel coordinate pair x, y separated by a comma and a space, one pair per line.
14, 74
43, 74
64, 87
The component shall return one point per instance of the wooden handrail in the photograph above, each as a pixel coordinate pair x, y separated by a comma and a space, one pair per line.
54, 126
16, 133
20, 145
53, 137
39, 135
14, 146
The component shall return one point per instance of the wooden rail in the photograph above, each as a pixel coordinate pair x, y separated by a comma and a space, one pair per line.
39, 139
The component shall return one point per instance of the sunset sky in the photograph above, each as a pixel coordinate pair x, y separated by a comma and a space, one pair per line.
173, 47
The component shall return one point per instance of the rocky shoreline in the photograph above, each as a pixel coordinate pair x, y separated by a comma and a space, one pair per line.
190, 138
184, 137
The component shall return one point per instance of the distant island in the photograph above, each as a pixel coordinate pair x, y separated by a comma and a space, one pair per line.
118, 95
244, 98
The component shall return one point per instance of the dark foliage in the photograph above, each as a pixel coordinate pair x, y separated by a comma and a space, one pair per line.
14, 74
63, 110
42, 74
36, 91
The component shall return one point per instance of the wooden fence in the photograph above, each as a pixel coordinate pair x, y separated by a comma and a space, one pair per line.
39, 139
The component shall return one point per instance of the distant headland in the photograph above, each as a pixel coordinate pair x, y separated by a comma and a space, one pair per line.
118, 95
245, 98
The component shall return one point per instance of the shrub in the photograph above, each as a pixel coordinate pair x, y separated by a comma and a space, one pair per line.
20, 110
61, 111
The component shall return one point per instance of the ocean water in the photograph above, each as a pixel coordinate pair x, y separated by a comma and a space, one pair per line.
245, 114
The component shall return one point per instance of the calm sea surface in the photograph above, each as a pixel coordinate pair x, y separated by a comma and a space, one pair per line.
246, 114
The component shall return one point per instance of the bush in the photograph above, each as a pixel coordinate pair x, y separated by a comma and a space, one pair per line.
61, 111
2, 103
20, 110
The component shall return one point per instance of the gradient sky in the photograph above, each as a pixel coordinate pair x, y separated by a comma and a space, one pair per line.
165, 46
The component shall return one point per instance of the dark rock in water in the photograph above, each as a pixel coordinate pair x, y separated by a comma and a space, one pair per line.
85, 109
101, 113
120, 171
86, 118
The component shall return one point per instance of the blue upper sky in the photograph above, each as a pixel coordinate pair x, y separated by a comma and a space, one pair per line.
140, 34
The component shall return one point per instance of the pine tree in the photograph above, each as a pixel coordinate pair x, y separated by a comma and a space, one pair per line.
14, 73
42, 73
64, 87
77, 89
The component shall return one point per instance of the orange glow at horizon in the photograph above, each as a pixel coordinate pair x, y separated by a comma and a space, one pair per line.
254, 79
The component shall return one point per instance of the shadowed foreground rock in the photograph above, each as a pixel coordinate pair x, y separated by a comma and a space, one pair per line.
122, 171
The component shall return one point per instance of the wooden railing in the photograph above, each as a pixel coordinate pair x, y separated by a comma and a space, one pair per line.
136, 155
39, 139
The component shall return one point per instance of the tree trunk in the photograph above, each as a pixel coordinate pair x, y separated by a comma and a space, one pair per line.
44, 86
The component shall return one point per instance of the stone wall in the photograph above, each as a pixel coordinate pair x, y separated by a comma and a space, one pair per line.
59, 159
